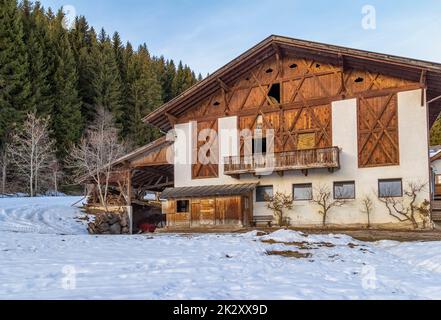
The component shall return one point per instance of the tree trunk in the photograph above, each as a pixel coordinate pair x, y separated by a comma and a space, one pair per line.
324, 219
55, 184
4, 165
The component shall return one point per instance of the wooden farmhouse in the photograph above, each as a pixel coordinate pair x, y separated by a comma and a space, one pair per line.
305, 119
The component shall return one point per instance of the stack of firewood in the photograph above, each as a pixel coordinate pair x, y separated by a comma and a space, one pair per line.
113, 200
110, 223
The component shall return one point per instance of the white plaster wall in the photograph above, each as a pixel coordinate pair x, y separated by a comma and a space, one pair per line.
228, 146
414, 165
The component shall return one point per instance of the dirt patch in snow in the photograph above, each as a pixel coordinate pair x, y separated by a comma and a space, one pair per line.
289, 254
301, 245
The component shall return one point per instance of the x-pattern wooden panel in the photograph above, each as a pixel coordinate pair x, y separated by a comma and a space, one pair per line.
320, 123
378, 131
210, 170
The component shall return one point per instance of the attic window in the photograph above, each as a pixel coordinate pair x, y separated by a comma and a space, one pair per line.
269, 70
216, 103
274, 93
293, 66
317, 65
359, 80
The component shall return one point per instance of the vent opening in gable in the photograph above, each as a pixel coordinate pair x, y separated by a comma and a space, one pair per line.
293, 66
274, 93
217, 103
269, 70
359, 80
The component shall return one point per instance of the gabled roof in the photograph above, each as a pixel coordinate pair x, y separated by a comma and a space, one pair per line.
405, 68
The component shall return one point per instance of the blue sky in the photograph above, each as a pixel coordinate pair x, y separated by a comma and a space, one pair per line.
208, 34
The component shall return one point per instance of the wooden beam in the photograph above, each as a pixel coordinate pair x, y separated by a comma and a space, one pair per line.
171, 118
279, 58
223, 85
434, 99
423, 82
159, 186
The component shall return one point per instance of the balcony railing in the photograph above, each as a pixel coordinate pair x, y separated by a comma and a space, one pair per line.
320, 158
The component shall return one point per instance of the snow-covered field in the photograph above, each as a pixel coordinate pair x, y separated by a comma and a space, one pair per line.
45, 253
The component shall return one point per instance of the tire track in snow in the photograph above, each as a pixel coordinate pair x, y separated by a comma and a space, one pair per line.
41, 216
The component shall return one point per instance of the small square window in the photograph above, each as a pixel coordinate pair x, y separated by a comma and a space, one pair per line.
183, 206
263, 193
302, 192
390, 188
344, 190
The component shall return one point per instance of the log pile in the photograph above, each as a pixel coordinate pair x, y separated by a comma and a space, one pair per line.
110, 223
113, 199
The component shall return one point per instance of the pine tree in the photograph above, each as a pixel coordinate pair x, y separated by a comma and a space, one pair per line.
168, 80
126, 106
40, 62
87, 70
14, 79
107, 82
435, 133
144, 95
66, 116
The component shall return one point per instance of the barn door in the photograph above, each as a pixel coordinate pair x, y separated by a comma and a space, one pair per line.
207, 212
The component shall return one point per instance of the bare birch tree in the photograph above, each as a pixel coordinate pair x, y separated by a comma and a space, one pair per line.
32, 150
98, 149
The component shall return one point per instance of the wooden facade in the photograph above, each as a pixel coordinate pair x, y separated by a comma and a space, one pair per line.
292, 96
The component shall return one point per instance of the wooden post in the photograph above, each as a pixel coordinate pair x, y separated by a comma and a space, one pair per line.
129, 200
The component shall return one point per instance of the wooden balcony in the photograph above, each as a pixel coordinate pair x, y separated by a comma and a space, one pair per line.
304, 160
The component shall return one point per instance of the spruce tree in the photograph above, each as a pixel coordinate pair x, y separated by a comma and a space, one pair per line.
14, 77
107, 82
66, 115
40, 58
435, 133
144, 96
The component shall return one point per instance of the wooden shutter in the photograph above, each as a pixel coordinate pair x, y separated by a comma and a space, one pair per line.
211, 170
378, 143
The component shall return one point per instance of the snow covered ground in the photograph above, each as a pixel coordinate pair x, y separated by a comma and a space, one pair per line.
45, 253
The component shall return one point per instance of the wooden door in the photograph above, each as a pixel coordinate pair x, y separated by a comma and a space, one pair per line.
207, 212
195, 213
168, 209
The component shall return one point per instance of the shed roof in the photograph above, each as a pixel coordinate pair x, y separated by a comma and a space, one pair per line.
209, 191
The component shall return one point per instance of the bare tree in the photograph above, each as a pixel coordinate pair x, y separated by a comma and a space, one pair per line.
98, 149
277, 204
57, 174
4, 161
32, 150
367, 208
322, 196
406, 209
